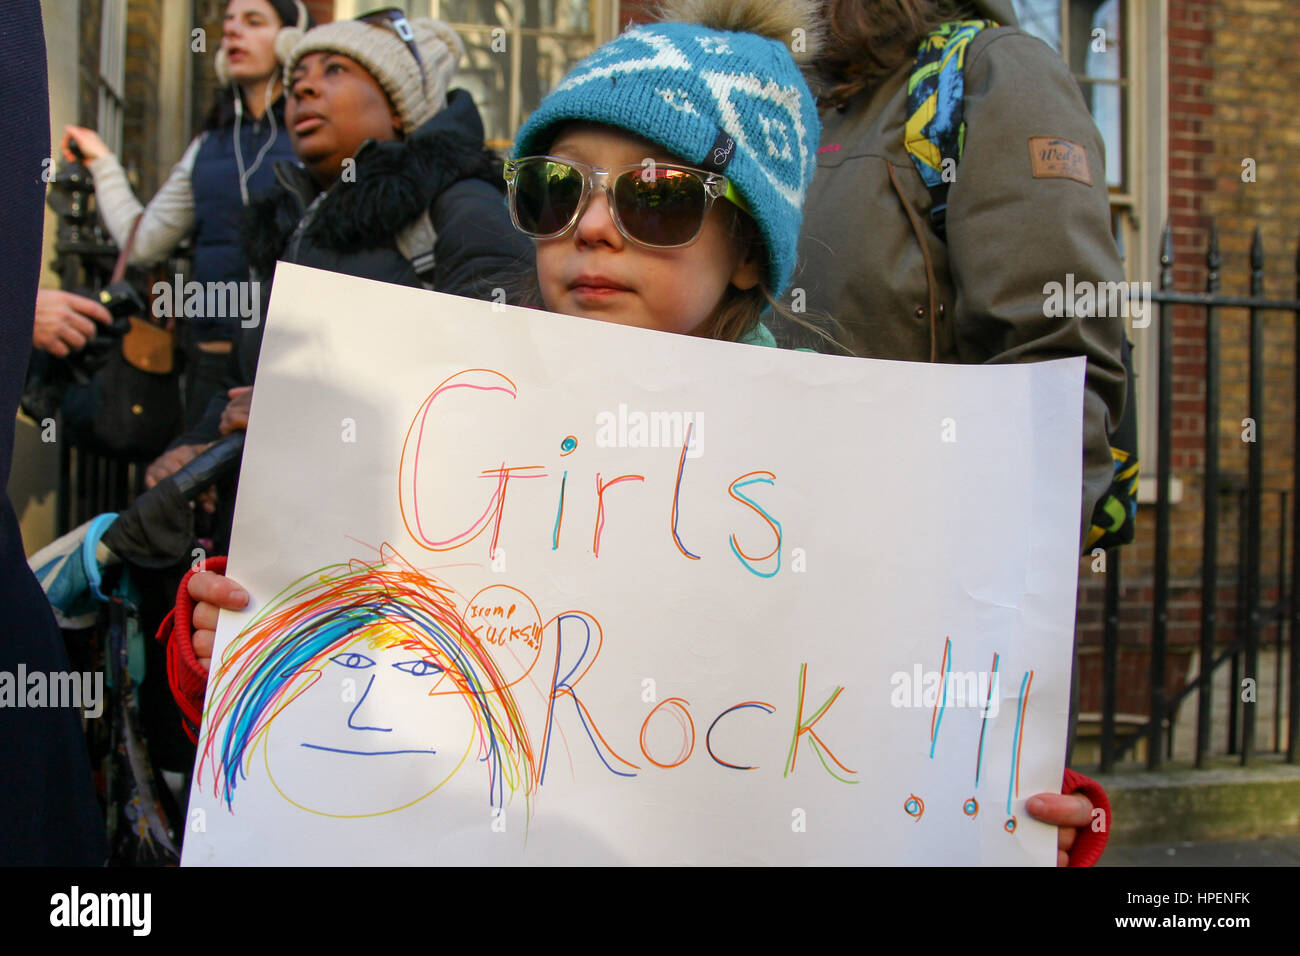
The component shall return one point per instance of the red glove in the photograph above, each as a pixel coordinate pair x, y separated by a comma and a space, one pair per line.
1090, 841
187, 679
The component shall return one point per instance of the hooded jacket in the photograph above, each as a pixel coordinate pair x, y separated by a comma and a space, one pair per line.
869, 257
441, 168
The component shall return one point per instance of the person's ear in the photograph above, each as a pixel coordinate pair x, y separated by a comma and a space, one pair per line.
749, 271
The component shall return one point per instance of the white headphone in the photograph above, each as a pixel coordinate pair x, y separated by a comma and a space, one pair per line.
285, 40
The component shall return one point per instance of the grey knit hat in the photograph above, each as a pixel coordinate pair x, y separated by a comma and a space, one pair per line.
386, 57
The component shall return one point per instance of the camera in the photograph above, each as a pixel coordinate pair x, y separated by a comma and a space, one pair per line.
122, 301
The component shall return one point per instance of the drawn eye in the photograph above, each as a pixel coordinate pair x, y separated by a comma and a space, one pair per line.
353, 660
418, 668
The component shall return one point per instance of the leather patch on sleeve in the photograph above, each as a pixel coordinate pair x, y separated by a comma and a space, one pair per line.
1052, 158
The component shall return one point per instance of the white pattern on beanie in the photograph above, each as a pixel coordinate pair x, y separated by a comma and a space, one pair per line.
386, 57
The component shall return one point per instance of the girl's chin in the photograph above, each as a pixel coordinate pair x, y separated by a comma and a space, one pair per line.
242, 71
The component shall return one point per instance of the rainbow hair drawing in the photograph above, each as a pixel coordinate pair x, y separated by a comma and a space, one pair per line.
281, 652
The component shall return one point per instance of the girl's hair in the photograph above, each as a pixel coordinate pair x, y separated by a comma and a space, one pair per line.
741, 309
868, 40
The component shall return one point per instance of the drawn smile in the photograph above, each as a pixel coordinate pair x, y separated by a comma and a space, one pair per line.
366, 753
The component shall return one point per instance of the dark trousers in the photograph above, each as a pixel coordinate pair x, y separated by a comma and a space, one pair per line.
207, 374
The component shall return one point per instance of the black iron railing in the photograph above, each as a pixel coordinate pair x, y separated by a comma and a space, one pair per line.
89, 482
1242, 650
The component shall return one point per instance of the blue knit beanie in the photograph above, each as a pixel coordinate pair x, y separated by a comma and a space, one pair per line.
727, 100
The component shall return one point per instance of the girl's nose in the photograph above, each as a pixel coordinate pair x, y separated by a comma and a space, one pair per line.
596, 224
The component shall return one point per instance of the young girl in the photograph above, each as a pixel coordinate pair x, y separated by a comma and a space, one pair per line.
663, 181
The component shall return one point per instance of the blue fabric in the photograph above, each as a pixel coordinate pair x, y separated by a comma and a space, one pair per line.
60, 568
218, 255
98, 525
683, 86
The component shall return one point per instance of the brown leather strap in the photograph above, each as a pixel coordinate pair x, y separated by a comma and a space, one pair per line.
119, 267
930, 282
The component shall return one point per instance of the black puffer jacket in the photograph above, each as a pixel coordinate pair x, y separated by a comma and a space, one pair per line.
442, 167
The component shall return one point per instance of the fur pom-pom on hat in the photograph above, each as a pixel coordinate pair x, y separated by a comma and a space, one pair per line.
793, 22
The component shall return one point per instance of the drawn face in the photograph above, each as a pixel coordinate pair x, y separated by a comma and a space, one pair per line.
397, 728
594, 271
248, 37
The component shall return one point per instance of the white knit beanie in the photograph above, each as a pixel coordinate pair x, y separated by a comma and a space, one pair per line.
386, 57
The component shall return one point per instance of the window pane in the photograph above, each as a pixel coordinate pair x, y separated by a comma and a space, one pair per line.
486, 74
546, 60
1101, 57
1095, 34
491, 12
1107, 103
1040, 18
569, 16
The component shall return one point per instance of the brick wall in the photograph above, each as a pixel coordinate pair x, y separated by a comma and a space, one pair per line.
1232, 79
208, 15
139, 129
140, 126
90, 18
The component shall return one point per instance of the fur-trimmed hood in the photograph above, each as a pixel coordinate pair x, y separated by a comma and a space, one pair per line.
395, 182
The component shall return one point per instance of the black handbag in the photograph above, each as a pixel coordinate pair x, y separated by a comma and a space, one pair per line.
131, 405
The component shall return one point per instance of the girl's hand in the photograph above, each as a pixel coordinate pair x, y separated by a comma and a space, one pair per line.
213, 592
1067, 811
92, 147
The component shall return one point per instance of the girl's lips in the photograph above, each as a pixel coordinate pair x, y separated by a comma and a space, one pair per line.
597, 283
307, 124
596, 293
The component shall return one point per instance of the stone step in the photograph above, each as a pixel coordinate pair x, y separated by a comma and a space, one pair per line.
1225, 801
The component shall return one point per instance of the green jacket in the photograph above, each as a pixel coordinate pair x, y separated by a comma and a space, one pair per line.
870, 259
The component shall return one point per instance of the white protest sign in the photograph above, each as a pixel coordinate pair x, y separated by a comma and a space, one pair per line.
533, 589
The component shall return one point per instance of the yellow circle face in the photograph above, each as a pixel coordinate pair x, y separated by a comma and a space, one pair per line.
379, 727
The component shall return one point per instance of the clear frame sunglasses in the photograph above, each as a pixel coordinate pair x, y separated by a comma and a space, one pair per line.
660, 205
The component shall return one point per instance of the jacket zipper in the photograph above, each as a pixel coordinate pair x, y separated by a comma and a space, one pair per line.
303, 223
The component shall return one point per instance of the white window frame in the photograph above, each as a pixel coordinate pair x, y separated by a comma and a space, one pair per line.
1148, 145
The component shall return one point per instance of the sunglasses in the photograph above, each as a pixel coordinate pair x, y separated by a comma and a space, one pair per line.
661, 205
396, 19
